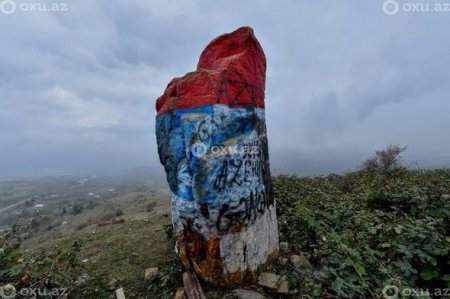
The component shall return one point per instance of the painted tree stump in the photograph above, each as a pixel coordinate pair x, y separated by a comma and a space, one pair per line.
212, 141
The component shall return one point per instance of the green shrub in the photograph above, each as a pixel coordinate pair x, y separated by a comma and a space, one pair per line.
385, 159
363, 231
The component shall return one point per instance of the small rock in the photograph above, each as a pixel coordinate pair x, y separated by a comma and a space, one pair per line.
269, 280
300, 262
180, 293
25, 280
82, 279
283, 287
150, 272
247, 294
120, 294
275, 282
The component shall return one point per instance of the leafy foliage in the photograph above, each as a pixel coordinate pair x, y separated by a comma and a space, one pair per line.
365, 230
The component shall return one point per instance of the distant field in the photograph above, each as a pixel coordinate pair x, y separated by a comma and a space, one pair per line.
59, 205
118, 224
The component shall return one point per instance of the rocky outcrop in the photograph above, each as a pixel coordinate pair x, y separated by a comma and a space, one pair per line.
212, 141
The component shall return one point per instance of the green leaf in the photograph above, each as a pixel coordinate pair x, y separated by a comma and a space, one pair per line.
338, 284
429, 274
360, 268
292, 283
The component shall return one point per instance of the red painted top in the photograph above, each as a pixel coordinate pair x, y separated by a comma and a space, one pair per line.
231, 71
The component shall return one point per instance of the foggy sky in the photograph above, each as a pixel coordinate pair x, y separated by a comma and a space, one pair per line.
78, 87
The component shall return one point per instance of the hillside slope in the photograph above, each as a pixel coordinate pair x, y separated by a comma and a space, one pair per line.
358, 235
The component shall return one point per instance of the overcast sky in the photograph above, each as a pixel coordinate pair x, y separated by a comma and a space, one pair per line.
78, 87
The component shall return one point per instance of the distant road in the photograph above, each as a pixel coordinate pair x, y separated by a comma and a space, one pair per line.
13, 205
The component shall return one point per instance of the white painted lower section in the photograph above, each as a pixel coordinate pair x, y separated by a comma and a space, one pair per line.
249, 248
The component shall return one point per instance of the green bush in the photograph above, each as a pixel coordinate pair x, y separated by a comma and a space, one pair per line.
366, 230
385, 159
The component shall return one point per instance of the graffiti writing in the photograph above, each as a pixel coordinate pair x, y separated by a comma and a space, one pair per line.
246, 212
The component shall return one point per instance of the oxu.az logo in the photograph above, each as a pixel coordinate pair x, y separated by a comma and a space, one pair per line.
9, 7
8, 291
